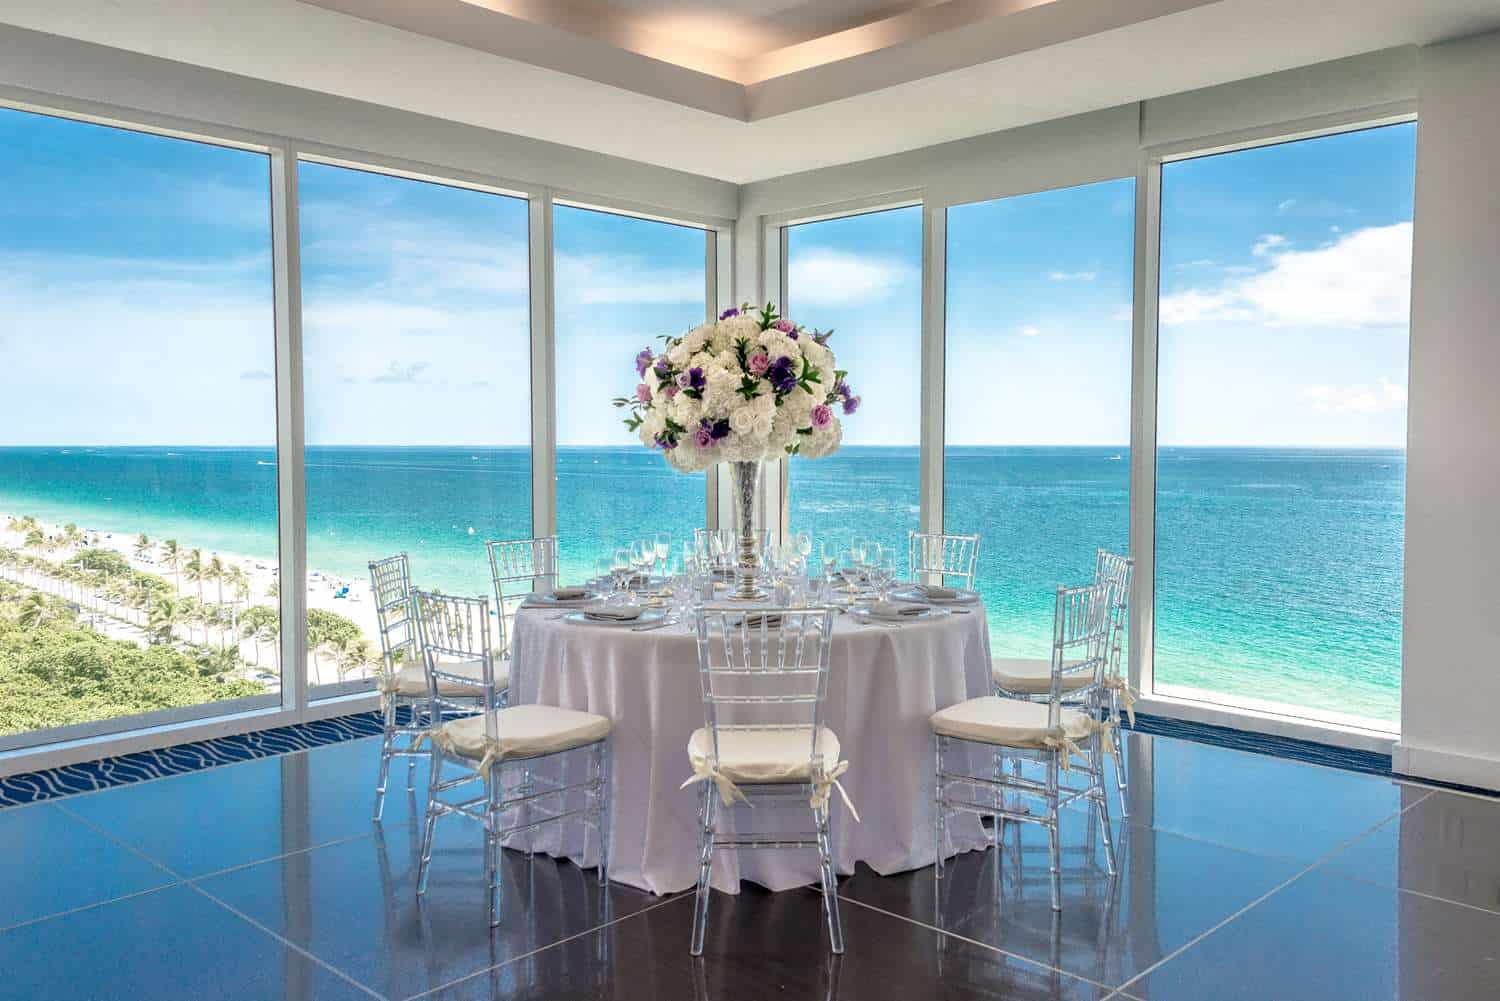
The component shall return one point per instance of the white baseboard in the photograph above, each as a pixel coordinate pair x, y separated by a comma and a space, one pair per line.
1446, 766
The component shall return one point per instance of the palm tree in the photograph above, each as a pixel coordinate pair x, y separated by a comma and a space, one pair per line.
353, 652
166, 613
36, 541
193, 570
142, 546
171, 553
215, 573
34, 611
71, 536
239, 590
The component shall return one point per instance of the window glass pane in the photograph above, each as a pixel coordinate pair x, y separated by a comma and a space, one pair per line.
1037, 457
416, 346
621, 284
137, 423
1285, 281
861, 277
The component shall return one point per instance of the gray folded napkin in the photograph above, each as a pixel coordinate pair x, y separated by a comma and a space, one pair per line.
757, 620
936, 591
617, 613
897, 610
570, 593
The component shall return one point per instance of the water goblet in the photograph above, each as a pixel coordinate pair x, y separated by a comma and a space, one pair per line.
663, 549
619, 569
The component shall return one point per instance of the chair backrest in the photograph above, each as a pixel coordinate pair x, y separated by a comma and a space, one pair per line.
944, 556
1117, 571
1082, 631
517, 568
455, 635
764, 669
390, 589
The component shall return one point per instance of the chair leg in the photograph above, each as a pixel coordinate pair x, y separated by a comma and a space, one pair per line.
830, 883
387, 743
525, 818
493, 795
424, 863
705, 863
1054, 847
602, 795
1102, 795
1122, 780
939, 798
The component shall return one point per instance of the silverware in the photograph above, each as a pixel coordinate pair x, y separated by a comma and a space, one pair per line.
654, 625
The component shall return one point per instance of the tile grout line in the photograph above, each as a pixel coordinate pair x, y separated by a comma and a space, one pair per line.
551, 945
89, 907
974, 942
183, 881
1264, 897
278, 858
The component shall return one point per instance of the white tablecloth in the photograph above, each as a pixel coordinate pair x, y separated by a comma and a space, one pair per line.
884, 683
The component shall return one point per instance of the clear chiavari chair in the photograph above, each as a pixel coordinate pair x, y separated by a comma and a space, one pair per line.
1049, 734
402, 682
765, 682
519, 567
949, 558
487, 745
1030, 677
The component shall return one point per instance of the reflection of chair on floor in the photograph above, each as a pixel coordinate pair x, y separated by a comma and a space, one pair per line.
1044, 733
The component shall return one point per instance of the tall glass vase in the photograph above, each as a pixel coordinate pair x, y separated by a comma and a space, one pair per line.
746, 477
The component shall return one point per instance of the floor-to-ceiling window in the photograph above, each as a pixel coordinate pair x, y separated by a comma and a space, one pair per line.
861, 277
417, 387
1281, 416
138, 505
1038, 333
621, 284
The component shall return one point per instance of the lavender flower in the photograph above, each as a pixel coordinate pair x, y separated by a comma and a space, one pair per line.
841, 389
785, 326
851, 404
758, 363
671, 391
714, 429
704, 436
643, 392
696, 379
822, 415
684, 381
663, 367
643, 361
666, 441
731, 311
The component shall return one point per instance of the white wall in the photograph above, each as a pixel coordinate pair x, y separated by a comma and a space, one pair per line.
1451, 660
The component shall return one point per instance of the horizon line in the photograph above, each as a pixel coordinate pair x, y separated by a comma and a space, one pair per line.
637, 447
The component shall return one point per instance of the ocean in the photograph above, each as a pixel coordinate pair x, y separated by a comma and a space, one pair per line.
1278, 570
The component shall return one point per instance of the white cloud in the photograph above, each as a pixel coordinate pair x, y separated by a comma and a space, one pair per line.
1072, 276
620, 280
823, 276
1286, 206
403, 373
1363, 279
1031, 332
1268, 243
1355, 399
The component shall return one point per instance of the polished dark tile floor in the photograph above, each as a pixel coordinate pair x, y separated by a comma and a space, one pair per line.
1239, 876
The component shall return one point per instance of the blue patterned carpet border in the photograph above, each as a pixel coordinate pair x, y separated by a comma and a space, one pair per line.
33, 787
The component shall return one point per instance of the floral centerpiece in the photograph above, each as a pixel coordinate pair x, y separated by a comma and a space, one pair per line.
747, 387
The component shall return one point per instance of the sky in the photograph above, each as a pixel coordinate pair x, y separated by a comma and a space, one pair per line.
136, 300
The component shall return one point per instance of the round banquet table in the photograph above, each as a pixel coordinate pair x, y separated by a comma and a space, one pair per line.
884, 682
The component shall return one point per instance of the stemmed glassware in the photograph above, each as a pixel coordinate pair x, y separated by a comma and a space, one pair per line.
663, 549
619, 569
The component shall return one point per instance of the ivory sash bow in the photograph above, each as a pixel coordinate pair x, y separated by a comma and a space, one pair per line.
1058, 740
823, 786
1121, 687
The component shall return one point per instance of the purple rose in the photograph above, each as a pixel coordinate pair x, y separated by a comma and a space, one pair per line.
851, 404
731, 311
822, 415
714, 429
782, 375
643, 392
684, 381
758, 363
785, 326
663, 367
643, 361
703, 437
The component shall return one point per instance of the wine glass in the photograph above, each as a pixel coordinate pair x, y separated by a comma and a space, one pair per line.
663, 550
603, 567
829, 553
620, 568
803, 543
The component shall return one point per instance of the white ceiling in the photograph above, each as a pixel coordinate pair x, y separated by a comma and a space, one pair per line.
1003, 71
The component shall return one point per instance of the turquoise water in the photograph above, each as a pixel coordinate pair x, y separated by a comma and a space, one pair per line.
1278, 570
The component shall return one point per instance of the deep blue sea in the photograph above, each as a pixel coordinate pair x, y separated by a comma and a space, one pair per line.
1278, 570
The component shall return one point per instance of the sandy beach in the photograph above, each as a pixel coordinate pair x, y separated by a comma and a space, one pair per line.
323, 589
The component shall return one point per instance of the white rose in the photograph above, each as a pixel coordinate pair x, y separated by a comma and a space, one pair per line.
742, 420
679, 355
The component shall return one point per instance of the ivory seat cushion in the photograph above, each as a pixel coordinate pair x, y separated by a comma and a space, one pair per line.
525, 732
1006, 722
1033, 676
412, 679
749, 757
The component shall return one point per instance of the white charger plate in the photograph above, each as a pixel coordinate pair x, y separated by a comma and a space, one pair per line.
862, 613
912, 594
648, 617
